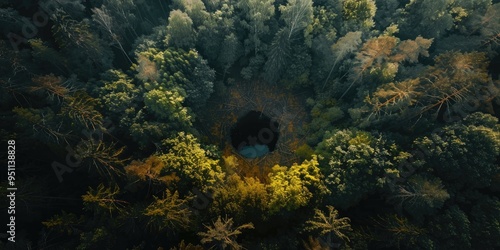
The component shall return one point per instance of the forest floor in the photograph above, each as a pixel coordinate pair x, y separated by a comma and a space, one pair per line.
281, 105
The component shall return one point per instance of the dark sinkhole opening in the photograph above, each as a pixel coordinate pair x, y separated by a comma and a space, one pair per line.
254, 134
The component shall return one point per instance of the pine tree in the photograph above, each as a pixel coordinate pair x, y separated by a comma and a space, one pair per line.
223, 233
330, 225
421, 195
103, 199
170, 212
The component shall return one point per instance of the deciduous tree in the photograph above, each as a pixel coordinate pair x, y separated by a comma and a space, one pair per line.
241, 198
180, 32
105, 21
294, 187
358, 15
344, 46
194, 8
190, 161
116, 93
297, 14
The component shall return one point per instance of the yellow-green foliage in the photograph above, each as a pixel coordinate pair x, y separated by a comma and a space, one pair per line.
304, 151
223, 233
102, 198
169, 212
361, 11
117, 91
186, 157
241, 198
185, 71
150, 169
288, 188
293, 187
330, 223
64, 222
166, 104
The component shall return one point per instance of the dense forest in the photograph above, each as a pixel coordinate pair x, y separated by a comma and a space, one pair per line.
250, 124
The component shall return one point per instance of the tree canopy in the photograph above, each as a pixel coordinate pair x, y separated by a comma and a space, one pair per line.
250, 124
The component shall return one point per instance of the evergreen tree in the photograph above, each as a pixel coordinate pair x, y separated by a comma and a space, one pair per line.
355, 164
464, 155
223, 234
330, 225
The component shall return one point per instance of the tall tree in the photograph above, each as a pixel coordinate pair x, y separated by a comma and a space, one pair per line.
180, 31
194, 8
372, 58
103, 199
214, 30
343, 47
399, 232
297, 14
257, 14
166, 104
223, 234
231, 52
358, 15
464, 155
81, 109
105, 21
294, 187
106, 159
116, 94
438, 18
330, 225
278, 56
169, 212
241, 198
75, 37
485, 218
451, 229
42, 124
191, 162
180, 71
444, 89
381, 56
355, 164
420, 196
489, 25
126, 13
